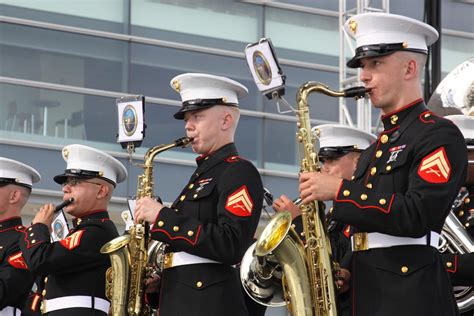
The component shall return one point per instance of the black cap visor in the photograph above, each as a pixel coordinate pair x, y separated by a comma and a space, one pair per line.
378, 50
79, 173
331, 153
199, 104
7, 181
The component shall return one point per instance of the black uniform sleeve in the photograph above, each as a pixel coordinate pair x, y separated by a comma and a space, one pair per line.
78, 251
460, 268
418, 206
238, 201
15, 278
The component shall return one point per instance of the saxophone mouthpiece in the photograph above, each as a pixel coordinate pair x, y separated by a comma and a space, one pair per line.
183, 141
356, 92
63, 205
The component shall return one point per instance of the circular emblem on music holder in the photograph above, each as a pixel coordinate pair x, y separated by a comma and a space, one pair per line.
129, 120
262, 68
58, 228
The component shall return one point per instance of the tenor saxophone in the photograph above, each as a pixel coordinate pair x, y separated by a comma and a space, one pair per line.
308, 270
129, 253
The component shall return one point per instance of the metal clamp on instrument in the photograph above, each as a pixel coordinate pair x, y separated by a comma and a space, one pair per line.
366, 241
174, 259
76, 301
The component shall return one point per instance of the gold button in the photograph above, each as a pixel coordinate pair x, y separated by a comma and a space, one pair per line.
404, 269
427, 115
207, 157
33, 241
45, 279
43, 292
190, 233
388, 168
394, 119
467, 225
79, 221
175, 228
378, 154
195, 195
199, 284
182, 197
384, 139
176, 210
373, 171
191, 186
346, 192
331, 210
363, 197
449, 264
161, 223
32, 234
29, 228
353, 177
1, 247
369, 185
302, 234
461, 213
383, 201
467, 200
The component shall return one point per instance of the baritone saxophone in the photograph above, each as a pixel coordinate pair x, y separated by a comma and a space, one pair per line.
305, 268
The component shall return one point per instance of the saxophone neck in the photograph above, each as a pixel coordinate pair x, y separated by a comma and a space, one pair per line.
152, 152
314, 86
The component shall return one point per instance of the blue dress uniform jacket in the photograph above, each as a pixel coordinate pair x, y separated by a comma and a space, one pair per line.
215, 217
15, 277
74, 266
404, 185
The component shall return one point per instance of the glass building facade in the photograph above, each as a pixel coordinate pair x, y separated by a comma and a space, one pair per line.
63, 63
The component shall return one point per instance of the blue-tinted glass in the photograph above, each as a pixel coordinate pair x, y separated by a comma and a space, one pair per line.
98, 15
303, 36
224, 24
153, 67
62, 58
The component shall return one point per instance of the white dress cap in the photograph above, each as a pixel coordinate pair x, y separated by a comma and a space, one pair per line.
379, 34
87, 162
200, 91
15, 172
464, 123
336, 135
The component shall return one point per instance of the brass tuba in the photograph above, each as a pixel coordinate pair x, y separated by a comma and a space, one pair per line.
305, 268
129, 253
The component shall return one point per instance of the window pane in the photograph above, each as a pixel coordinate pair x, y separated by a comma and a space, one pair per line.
152, 69
303, 36
213, 23
62, 58
104, 15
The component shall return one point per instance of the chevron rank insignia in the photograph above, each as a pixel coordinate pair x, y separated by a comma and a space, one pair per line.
71, 242
435, 168
16, 260
240, 203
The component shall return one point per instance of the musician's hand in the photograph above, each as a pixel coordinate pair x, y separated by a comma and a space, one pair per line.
153, 284
343, 280
318, 186
45, 215
283, 203
147, 209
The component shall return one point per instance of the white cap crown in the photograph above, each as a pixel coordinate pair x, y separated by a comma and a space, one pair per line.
15, 172
88, 162
336, 135
200, 91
